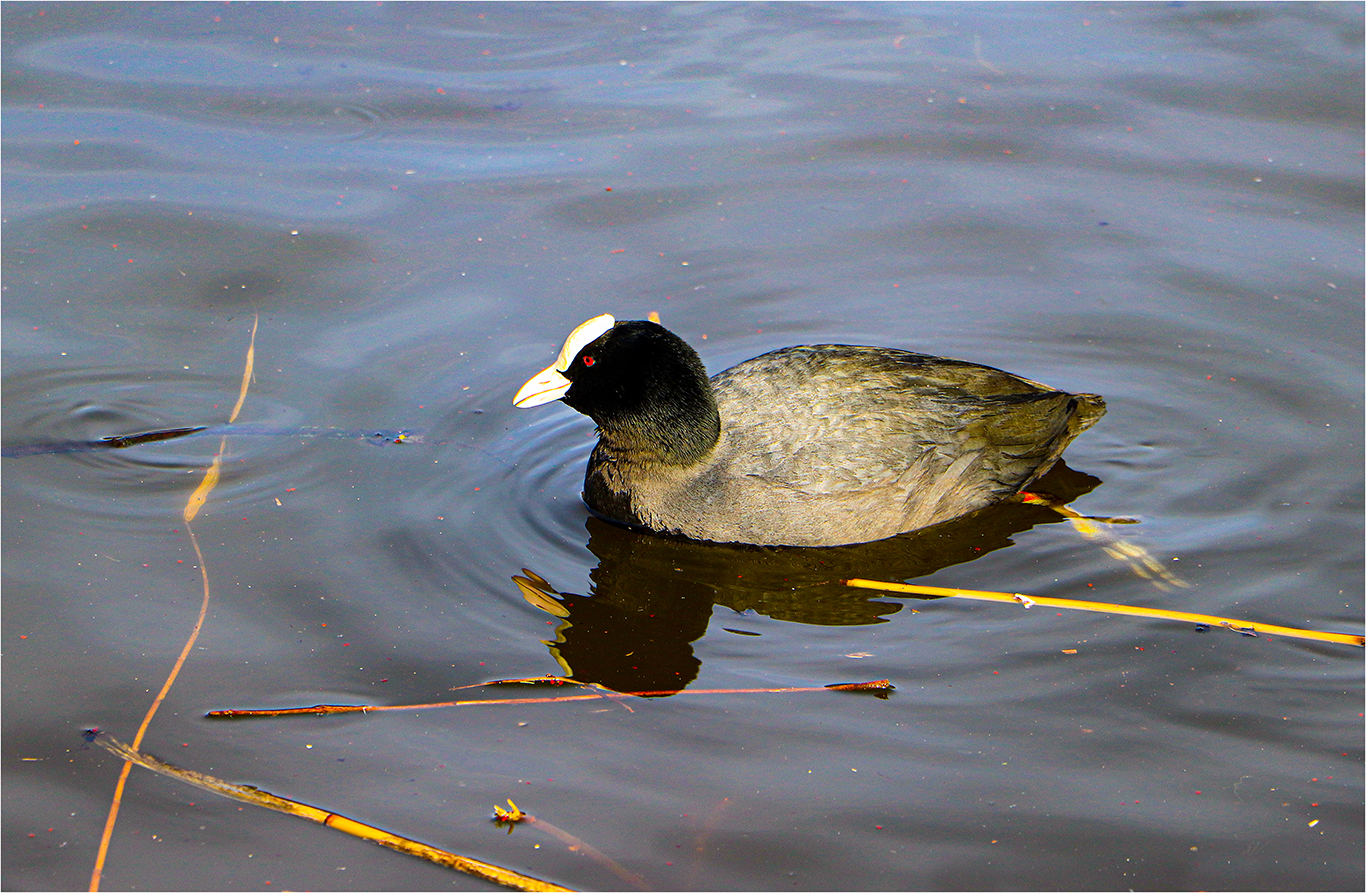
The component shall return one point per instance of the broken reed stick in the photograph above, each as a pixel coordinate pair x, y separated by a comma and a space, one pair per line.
1238, 626
196, 501
876, 686
495, 874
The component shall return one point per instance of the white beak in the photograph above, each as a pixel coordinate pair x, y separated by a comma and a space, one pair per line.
548, 385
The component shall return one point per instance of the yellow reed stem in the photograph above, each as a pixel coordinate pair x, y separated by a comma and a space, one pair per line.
1107, 608
494, 873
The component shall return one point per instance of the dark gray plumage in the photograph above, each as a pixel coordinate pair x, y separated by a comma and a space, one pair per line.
818, 445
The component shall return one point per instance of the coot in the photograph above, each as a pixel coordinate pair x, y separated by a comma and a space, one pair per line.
818, 445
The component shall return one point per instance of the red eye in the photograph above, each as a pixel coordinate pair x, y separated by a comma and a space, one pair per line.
588, 360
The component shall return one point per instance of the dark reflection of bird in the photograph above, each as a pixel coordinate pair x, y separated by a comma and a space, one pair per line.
653, 596
819, 445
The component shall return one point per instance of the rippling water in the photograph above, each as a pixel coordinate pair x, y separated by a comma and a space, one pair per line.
1159, 203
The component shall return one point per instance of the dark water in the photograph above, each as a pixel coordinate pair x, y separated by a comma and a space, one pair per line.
1160, 203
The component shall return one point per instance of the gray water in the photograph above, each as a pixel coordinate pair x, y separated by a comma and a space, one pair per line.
1161, 203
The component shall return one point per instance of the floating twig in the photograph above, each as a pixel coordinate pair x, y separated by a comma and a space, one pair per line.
1137, 558
246, 793
192, 507
879, 687
1246, 628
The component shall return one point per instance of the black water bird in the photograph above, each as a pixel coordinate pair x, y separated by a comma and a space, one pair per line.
818, 445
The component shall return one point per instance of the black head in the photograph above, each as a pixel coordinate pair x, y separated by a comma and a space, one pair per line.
648, 392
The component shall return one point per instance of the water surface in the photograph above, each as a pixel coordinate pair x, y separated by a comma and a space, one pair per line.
1160, 203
